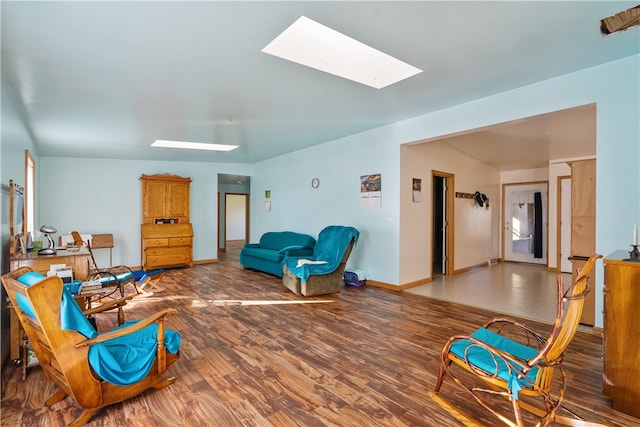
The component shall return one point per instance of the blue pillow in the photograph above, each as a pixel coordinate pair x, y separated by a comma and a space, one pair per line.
28, 279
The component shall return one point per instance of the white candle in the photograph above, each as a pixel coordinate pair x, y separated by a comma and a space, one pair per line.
635, 235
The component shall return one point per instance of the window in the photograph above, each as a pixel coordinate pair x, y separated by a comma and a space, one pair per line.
29, 194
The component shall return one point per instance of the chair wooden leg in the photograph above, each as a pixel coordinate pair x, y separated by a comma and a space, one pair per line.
517, 413
441, 374
59, 396
163, 384
454, 412
83, 418
120, 316
567, 421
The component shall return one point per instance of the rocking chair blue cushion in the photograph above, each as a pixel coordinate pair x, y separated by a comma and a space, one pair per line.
122, 361
489, 362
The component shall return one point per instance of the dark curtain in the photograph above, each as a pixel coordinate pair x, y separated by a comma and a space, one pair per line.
537, 225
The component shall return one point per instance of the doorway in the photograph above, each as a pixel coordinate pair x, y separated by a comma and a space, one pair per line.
236, 220
442, 213
525, 222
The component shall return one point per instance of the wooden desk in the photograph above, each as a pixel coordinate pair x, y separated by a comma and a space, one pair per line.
77, 260
622, 332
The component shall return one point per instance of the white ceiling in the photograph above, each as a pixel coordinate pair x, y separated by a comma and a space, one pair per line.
106, 79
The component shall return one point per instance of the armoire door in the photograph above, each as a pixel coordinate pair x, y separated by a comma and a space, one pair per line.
583, 226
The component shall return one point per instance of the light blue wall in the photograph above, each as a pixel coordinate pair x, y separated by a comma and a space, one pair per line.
614, 87
105, 196
296, 206
14, 140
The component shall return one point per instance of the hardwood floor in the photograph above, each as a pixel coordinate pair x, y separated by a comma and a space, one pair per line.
369, 358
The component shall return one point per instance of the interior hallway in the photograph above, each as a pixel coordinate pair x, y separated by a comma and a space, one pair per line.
517, 289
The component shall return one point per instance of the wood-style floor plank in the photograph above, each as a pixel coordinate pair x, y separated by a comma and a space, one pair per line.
369, 358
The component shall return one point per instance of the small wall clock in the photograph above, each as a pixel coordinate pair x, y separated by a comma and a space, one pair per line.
315, 183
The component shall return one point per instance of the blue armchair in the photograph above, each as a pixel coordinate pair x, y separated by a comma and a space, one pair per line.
322, 272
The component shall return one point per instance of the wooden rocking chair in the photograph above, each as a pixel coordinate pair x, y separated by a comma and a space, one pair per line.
119, 277
515, 370
56, 327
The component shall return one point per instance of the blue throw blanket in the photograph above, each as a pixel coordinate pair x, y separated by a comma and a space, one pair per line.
128, 359
330, 247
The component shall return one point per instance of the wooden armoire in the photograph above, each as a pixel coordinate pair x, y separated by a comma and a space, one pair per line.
622, 331
166, 232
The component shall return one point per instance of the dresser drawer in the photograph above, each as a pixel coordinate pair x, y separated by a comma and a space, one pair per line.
154, 259
151, 243
169, 251
180, 241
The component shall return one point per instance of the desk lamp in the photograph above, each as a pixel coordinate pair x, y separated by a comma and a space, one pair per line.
48, 230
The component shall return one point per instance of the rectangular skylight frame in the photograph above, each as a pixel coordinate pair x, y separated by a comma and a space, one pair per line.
192, 145
314, 45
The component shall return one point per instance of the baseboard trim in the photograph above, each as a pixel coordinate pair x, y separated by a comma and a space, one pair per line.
399, 287
206, 261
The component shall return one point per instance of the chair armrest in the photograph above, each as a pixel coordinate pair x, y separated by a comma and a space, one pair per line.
108, 305
251, 245
129, 328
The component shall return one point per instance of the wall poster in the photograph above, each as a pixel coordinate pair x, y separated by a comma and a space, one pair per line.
417, 190
370, 191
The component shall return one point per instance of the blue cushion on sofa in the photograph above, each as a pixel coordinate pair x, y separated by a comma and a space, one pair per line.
278, 240
262, 253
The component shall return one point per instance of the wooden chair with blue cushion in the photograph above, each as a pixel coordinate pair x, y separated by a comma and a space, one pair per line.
118, 278
506, 358
97, 370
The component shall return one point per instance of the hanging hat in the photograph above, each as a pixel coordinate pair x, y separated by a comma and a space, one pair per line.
485, 199
478, 198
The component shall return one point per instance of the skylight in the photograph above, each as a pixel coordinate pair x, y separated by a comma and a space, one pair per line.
314, 45
193, 145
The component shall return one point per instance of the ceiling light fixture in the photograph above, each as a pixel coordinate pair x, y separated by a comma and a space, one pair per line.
192, 145
314, 45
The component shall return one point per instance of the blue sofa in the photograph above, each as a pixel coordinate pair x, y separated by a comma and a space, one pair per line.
268, 255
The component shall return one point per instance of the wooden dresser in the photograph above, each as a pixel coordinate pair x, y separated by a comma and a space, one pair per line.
622, 332
167, 235
166, 245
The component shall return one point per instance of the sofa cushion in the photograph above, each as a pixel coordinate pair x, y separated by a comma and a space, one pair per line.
266, 254
276, 240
